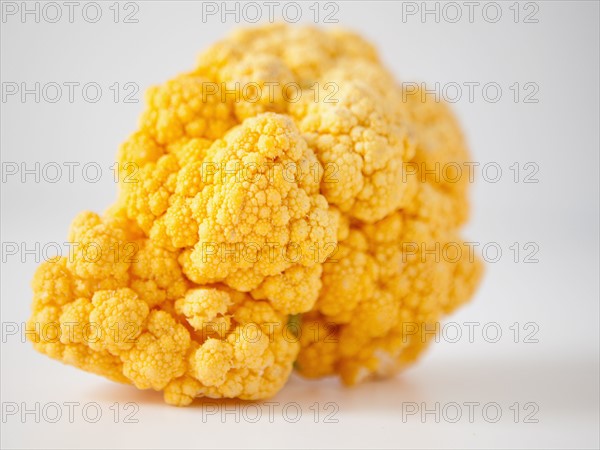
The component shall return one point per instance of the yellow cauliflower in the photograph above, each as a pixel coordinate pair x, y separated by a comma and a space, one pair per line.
134, 317
286, 174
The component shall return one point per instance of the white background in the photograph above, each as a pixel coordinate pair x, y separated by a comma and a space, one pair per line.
559, 294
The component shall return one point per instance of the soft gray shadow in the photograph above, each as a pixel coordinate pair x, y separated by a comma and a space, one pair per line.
502, 380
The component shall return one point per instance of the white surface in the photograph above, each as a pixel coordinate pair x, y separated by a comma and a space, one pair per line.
560, 213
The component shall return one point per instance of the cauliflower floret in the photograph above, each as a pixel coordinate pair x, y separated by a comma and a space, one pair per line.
158, 354
156, 273
212, 361
295, 289
74, 321
61, 336
52, 284
118, 316
255, 208
409, 290
366, 144
253, 362
185, 107
206, 310
99, 254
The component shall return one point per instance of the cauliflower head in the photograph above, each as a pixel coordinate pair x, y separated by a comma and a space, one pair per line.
285, 176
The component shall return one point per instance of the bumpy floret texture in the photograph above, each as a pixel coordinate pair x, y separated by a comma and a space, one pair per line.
121, 307
288, 175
